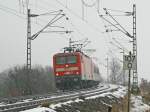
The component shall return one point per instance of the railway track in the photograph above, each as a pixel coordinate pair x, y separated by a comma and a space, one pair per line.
53, 98
10, 100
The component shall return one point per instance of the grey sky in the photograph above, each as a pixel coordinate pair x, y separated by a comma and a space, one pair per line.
13, 32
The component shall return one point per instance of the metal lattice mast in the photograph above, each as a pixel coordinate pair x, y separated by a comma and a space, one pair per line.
135, 75
57, 16
29, 50
28, 40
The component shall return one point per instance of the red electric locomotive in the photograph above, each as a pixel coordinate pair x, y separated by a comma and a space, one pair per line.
74, 70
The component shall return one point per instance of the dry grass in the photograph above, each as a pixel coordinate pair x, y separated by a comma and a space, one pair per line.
121, 107
45, 104
146, 98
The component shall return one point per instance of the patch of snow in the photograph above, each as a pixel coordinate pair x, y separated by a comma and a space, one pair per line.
53, 106
120, 93
78, 100
138, 105
27, 100
113, 86
39, 109
2, 104
96, 96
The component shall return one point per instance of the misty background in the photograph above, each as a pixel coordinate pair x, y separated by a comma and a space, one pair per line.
13, 32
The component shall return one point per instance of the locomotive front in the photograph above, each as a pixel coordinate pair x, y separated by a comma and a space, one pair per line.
67, 70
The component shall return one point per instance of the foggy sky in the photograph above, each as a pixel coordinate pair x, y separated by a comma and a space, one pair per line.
13, 32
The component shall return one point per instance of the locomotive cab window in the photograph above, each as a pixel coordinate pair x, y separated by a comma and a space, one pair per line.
71, 59
60, 60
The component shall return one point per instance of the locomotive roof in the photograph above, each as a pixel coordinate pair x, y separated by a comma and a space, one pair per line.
71, 53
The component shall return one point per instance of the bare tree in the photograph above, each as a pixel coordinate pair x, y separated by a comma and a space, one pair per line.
16, 81
145, 86
115, 71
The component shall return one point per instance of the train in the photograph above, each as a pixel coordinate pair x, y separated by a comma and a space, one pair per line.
75, 70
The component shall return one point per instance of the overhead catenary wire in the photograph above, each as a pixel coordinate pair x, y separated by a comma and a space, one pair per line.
16, 13
26, 4
49, 23
76, 15
83, 11
123, 30
10, 9
23, 15
23, 6
72, 11
126, 33
110, 37
116, 21
49, 13
98, 6
98, 30
84, 5
121, 46
39, 6
76, 28
11, 12
117, 15
89, 5
47, 4
117, 10
79, 17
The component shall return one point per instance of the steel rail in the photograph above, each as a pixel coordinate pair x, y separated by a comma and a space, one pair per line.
10, 100
15, 107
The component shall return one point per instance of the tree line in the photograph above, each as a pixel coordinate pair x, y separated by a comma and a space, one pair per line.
18, 81
117, 75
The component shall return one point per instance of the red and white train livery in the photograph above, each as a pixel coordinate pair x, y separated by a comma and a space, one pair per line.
74, 70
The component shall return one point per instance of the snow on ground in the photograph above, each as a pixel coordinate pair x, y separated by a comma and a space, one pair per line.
27, 100
136, 101
120, 93
2, 104
138, 105
39, 109
53, 106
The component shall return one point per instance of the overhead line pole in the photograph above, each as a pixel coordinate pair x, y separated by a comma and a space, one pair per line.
28, 40
29, 15
135, 75
30, 37
133, 36
29, 91
129, 85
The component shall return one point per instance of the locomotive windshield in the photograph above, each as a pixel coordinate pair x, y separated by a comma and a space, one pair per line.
66, 60
60, 60
71, 59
